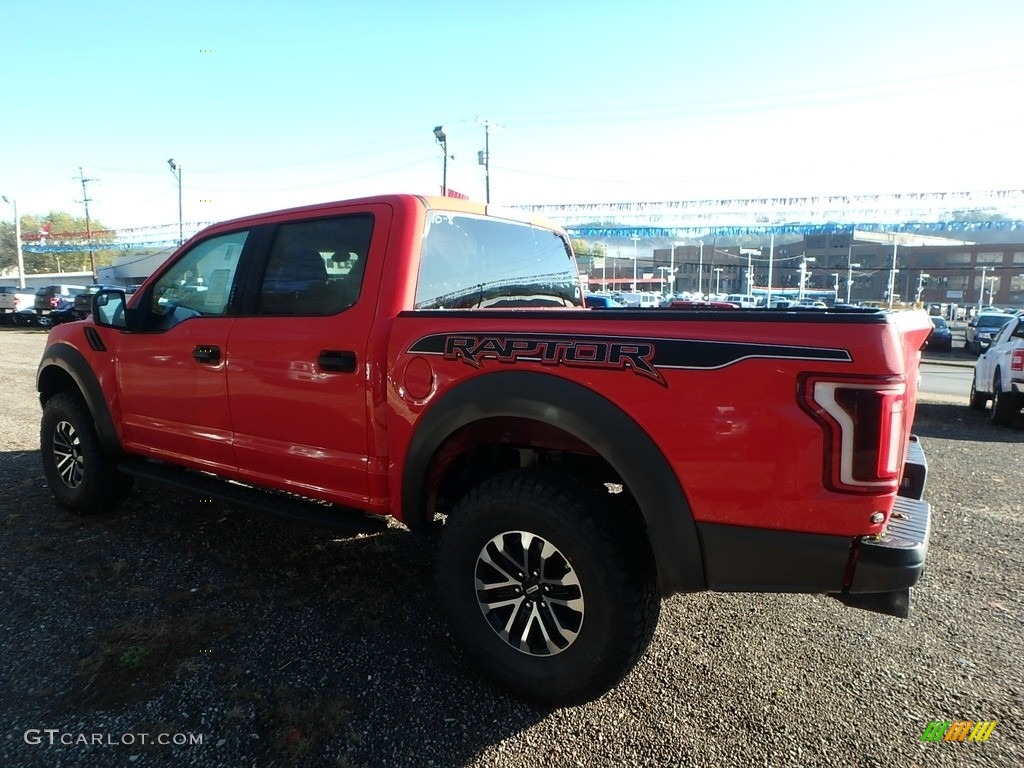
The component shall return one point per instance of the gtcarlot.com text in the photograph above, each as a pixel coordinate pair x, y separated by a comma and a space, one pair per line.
57, 737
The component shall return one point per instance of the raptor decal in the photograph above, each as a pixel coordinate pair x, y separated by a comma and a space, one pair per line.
643, 356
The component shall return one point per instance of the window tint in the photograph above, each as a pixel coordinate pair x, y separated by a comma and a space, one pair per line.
199, 283
316, 267
473, 261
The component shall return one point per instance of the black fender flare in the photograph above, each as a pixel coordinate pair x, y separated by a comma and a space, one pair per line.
593, 419
71, 362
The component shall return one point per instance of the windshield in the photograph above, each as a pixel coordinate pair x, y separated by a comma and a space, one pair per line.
992, 321
476, 261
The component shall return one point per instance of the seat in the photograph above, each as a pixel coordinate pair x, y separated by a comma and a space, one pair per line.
295, 284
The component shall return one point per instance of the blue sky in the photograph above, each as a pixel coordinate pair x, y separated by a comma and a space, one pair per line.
272, 104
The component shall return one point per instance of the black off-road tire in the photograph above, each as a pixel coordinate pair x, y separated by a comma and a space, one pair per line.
978, 400
82, 478
1004, 404
579, 613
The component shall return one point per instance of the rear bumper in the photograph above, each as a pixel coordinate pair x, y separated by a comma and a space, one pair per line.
870, 572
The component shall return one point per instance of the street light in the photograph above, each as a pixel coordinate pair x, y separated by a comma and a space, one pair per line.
849, 278
442, 139
804, 273
17, 240
700, 272
981, 291
920, 286
672, 269
892, 276
176, 171
635, 239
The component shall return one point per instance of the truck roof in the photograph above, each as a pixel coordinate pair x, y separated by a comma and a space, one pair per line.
399, 201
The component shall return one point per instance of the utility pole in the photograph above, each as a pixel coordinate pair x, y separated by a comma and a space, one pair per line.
88, 228
635, 239
442, 139
176, 172
484, 156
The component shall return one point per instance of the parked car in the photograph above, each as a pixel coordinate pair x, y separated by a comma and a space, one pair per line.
695, 304
983, 328
25, 317
83, 301
743, 299
941, 337
642, 300
49, 296
64, 312
600, 301
999, 373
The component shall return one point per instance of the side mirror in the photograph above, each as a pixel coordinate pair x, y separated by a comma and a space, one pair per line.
108, 309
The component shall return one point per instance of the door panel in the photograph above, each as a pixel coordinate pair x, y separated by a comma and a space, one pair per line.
174, 405
297, 371
172, 371
296, 424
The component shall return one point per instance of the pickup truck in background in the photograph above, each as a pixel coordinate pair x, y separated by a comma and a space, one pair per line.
999, 373
430, 359
14, 300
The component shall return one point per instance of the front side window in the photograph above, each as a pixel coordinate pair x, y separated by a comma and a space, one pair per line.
316, 267
476, 261
200, 282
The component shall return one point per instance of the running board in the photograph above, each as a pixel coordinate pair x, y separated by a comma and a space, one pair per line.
298, 508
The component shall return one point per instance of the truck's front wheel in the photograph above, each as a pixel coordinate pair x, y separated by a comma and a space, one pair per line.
550, 589
81, 477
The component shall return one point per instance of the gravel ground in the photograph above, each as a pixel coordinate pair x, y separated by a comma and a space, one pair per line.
279, 645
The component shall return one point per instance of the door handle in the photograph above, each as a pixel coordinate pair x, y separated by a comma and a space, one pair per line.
337, 361
206, 353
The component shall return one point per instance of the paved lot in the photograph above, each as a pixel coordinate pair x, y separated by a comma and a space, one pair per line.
283, 645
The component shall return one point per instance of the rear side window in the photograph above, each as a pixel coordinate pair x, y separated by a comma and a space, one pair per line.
475, 261
316, 267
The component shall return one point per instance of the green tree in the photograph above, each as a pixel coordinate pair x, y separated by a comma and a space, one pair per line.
54, 225
8, 249
586, 253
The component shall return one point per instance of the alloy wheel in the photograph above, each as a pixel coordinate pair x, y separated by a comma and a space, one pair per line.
529, 593
67, 454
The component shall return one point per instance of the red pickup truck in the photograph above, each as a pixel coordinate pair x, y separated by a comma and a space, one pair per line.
430, 359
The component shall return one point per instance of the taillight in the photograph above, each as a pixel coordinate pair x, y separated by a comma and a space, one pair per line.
54, 301
1017, 360
865, 429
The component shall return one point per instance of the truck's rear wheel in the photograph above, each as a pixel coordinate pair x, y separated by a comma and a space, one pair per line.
550, 589
1004, 405
82, 478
